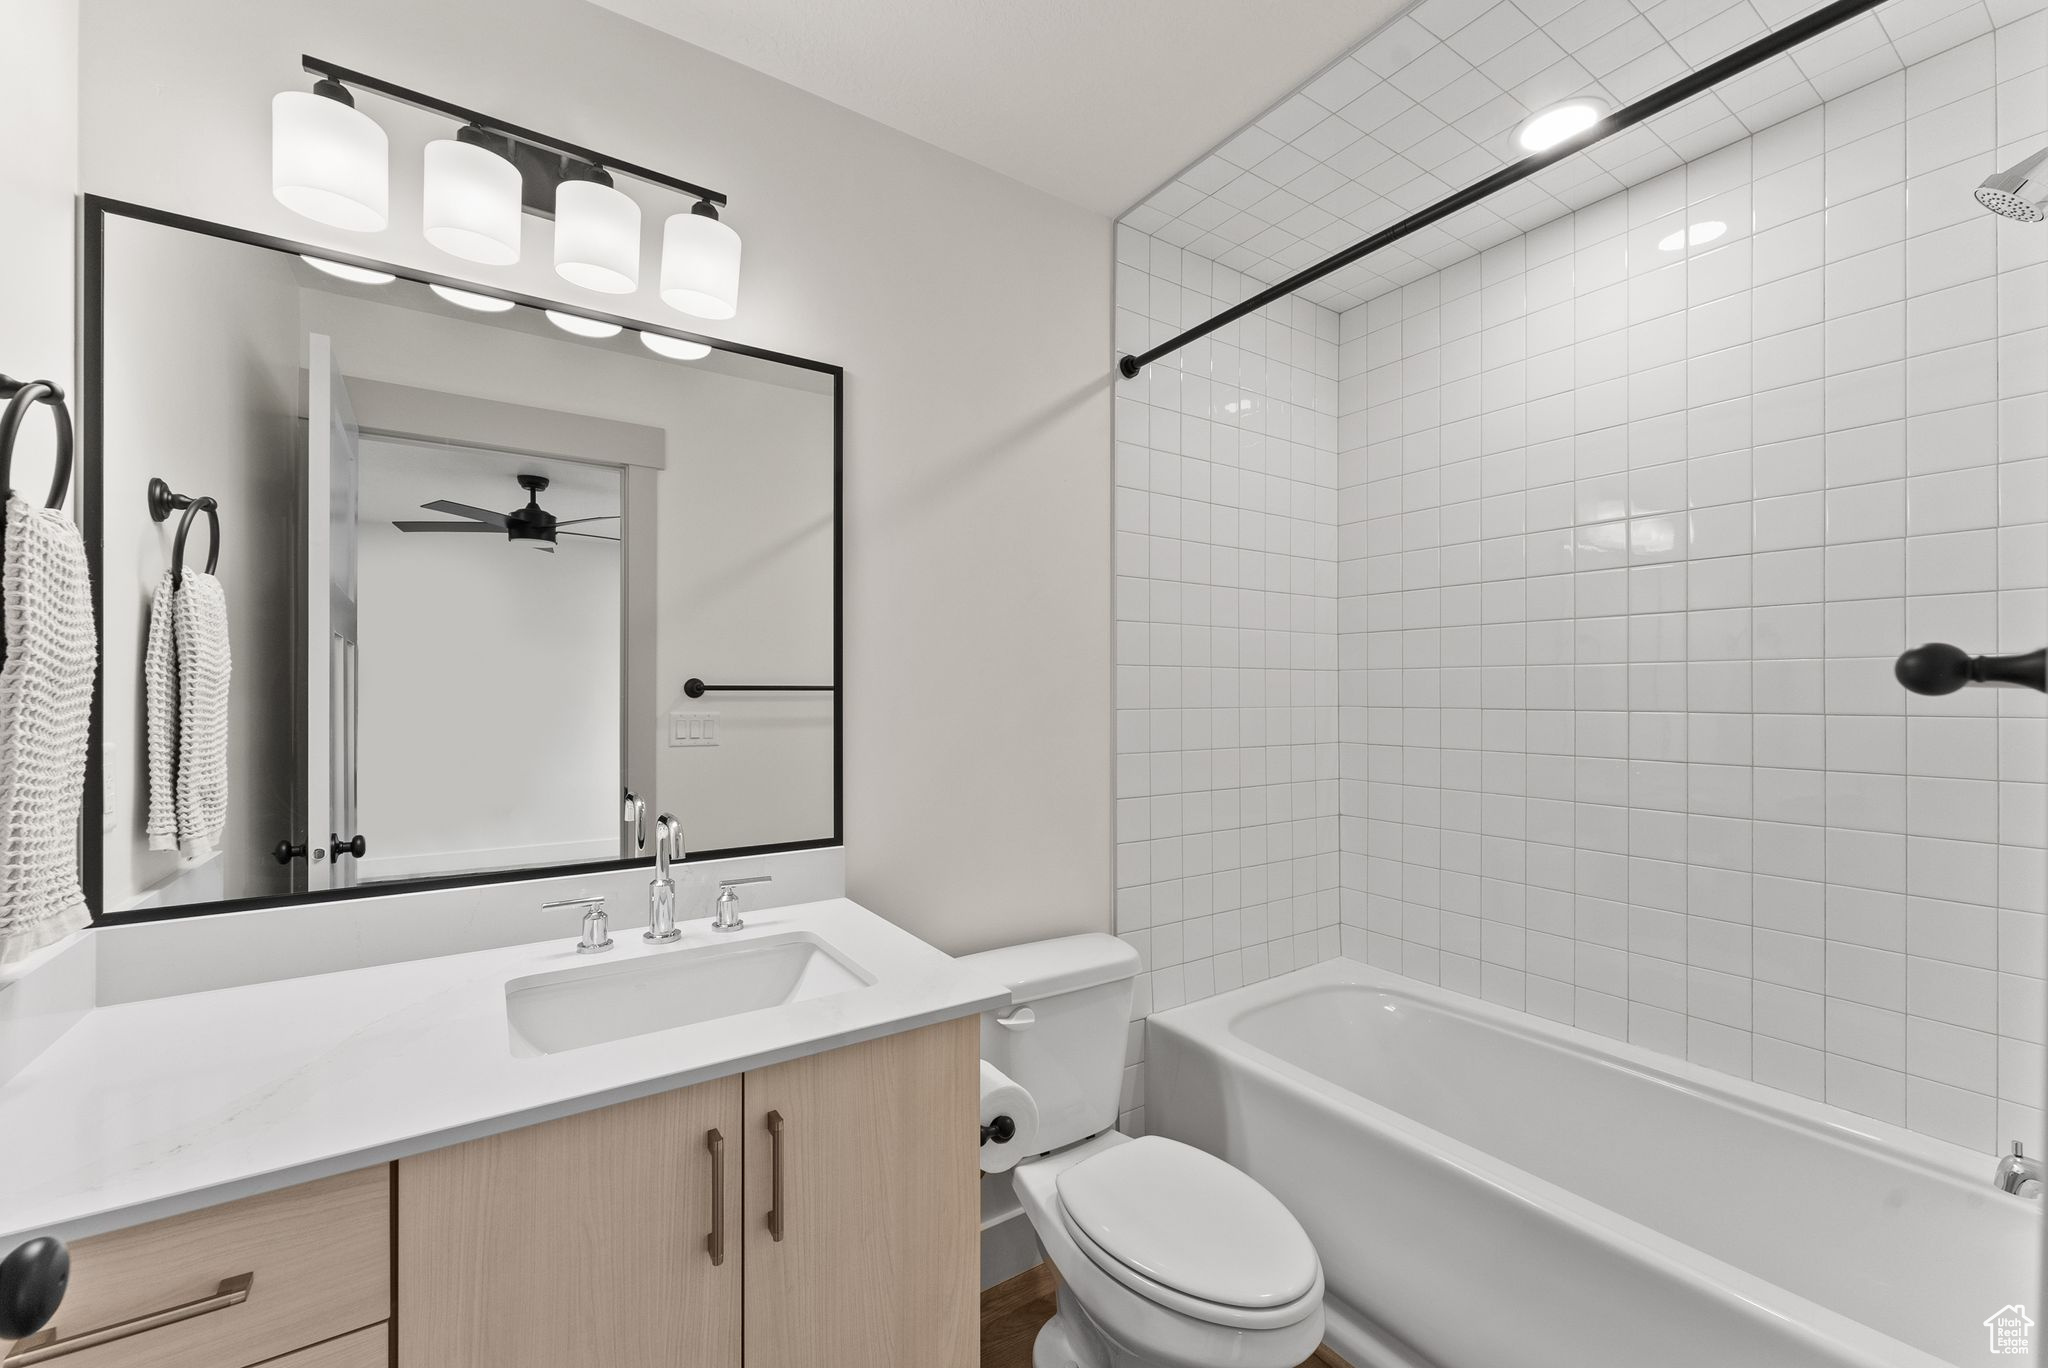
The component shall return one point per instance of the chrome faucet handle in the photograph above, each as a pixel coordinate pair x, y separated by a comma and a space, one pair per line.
2018, 1174
725, 913
596, 937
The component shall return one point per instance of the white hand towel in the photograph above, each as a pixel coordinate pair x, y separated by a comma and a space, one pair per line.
186, 669
160, 709
204, 665
45, 708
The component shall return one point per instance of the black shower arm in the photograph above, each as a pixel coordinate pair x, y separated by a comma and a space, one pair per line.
1939, 668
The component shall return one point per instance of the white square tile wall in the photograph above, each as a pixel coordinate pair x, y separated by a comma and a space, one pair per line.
1580, 649
1226, 620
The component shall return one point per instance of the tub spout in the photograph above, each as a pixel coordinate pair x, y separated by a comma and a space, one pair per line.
2018, 1174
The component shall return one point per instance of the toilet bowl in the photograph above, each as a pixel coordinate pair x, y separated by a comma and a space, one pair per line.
1166, 1256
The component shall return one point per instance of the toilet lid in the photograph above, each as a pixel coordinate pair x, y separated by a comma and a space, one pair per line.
1188, 1221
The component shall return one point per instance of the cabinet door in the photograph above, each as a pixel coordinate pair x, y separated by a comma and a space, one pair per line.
577, 1241
878, 1260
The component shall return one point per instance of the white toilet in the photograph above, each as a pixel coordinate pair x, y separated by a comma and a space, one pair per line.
1167, 1256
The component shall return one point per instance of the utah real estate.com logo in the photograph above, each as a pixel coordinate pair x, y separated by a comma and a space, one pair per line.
2007, 1328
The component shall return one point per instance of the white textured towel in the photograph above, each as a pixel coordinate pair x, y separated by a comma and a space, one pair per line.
185, 673
45, 709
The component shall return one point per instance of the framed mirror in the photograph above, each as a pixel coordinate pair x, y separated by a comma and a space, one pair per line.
406, 582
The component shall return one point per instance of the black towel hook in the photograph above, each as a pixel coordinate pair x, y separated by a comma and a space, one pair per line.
163, 502
21, 395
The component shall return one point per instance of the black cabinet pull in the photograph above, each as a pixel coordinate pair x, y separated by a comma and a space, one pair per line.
776, 1215
1939, 668
355, 847
284, 852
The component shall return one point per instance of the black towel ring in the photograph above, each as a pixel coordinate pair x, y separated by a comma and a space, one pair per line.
163, 502
22, 395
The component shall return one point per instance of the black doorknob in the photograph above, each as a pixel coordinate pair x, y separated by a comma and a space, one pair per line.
1939, 668
354, 847
284, 852
32, 1283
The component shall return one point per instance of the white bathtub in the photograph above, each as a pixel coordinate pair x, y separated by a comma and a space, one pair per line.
1488, 1190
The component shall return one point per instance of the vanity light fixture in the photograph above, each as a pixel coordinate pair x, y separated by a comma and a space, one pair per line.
469, 299
675, 348
597, 235
1547, 128
700, 264
331, 163
581, 326
470, 201
1692, 236
328, 159
342, 270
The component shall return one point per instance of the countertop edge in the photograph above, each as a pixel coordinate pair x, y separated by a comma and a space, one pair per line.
271, 1180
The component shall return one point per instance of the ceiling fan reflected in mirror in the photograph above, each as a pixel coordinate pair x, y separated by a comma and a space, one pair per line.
532, 525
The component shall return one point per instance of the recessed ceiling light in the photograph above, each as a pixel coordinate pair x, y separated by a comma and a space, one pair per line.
469, 299
674, 348
1692, 236
581, 326
1552, 126
341, 270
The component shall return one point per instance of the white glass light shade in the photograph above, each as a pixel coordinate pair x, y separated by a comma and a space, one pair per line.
469, 299
700, 266
674, 348
597, 237
581, 326
329, 161
471, 203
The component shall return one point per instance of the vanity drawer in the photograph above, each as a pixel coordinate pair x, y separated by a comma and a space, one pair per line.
369, 1347
318, 1259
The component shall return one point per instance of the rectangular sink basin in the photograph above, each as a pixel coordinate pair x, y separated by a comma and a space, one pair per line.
591, 1004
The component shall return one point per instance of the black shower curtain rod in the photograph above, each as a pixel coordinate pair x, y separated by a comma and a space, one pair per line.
1682, 89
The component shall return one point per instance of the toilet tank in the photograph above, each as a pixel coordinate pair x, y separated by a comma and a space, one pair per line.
1069, 1024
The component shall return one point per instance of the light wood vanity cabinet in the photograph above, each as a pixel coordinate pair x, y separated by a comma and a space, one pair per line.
589, 1240
676, 1231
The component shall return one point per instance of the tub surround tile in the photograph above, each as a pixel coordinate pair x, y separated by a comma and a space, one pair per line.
1536, 616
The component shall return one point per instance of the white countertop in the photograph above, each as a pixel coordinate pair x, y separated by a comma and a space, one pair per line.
146, 1109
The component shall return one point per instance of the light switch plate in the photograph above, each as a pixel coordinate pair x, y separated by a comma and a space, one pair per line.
692, 729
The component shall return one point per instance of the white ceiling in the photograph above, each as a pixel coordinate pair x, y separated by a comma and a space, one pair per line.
1095, 101
1429, 104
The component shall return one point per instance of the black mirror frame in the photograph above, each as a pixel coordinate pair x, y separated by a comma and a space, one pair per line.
95, 211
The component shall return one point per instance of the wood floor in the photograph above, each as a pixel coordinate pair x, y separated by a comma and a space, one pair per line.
1012, 1311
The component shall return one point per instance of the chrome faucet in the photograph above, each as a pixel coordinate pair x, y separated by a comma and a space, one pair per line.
661, 894
725, 914
596, 939
2018, 1174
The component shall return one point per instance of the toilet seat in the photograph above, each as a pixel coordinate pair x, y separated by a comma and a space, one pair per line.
1187, 1231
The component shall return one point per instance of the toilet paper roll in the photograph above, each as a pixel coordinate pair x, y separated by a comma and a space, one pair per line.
1002, 1096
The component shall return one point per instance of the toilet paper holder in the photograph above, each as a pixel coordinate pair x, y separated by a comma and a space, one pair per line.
1002, 1130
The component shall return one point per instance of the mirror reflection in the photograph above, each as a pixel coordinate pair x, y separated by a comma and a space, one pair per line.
461, 589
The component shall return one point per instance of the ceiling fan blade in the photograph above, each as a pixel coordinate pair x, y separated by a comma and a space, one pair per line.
463, 510
594, 536
568, 522
450, 527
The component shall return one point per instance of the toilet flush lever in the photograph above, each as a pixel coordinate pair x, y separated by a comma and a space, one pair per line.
1019, 1019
